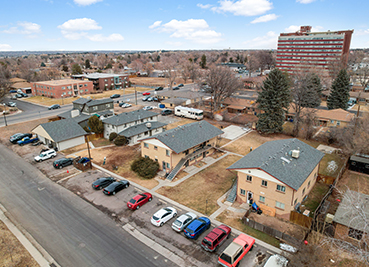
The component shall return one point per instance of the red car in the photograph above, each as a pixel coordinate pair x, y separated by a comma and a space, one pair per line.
146, 93
137, 201
216, 238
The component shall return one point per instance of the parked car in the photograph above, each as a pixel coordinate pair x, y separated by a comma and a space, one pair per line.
115, 187
163, 215
56, 106
165, 112
137, 201
197, 227
276, 261
27, 140
159, 88
23, 94
145, 98
115, 96
235, 252
155, 99
83, 160
60, 163
102, 182
125, 105
11, 104
12, 91
150, 99
19, 136
182, 221
176, 88
18, 95
180, 85
216, 238
50, 153
37, 143
147, 108
146, 93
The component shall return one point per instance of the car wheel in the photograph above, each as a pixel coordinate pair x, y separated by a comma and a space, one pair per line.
52, 156
150, 199
196, 237
162, 224
207, 227
60, 167
175, 214
137, 207
251, 247
113, 193
216, 248
126, 186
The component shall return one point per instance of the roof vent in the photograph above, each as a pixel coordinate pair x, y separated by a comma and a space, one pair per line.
285, 160
295, 154
148, 125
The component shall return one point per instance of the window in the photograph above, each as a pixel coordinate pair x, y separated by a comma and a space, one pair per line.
264, 183
146, 133
279, 205
94, 108
146, 156
108, 105
281, 188
155, 147
338, 123
249, 178
63, 88
167, 152
303, 191
308, 184
242, 192
69, 87
168, 165
262, 199
85, 84
294, 203
357, 234
146, 145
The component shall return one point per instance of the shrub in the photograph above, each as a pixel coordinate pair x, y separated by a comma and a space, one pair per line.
87, 129
145, 167
120, 140
112, 136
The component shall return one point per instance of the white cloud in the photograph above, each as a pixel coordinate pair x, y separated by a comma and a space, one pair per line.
84, 24
76, 29
5, 47
204, 6
361, 32
265, 18
86, 2
244, 7
25, 27
268, 41
305, 1
155, 24
195, 30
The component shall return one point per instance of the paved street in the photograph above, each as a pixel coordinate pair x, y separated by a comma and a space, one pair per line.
74, 232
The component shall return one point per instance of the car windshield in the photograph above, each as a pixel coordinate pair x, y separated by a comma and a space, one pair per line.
226, 258
42, 155
155, 218
189, 231
207, 242
132, 201
177, 223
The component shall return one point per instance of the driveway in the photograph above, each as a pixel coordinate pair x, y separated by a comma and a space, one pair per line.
232, 132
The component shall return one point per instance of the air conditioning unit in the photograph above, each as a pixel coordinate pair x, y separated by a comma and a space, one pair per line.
148, 125
295, 154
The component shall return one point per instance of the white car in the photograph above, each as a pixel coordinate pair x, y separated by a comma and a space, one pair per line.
12, 104
126, 105
276, 261
163, 215
147, 108
183, 220
46, 155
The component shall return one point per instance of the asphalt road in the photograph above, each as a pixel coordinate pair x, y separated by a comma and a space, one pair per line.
72, 231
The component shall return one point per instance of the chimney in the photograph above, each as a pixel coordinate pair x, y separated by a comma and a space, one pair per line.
148, 125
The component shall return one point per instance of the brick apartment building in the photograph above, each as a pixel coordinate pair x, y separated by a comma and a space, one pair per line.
105, 81
314, 50
62, 88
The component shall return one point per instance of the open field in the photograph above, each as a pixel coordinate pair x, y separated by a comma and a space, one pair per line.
204, 187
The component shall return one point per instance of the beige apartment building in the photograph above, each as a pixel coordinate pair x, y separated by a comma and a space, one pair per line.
181, 147
278, 175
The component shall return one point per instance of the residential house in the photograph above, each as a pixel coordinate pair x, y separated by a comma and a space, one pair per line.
21, 84
360, 97
178, 98
351, 219
60, 134
134, 125
241, 105
182, 146
277, 175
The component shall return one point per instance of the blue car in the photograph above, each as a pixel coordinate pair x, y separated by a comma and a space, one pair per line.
197, 227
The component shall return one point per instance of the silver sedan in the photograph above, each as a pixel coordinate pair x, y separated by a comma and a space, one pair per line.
183, 220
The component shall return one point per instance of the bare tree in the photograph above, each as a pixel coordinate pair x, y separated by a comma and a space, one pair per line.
169, 64
222, 83
265, 59
4, 79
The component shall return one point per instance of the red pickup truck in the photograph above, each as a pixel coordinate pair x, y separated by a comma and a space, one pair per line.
234, 253
216, 238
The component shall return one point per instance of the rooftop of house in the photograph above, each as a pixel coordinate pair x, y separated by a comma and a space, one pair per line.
62, 130
20, 85
141, 128
187, 136
353, 211
127, 117
277, 159
61, 82
16, 80
92, 102
328, 114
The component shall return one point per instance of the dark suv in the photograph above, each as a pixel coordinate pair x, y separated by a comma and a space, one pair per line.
60, 163
159, 88
19, 136
166, 112
102, 182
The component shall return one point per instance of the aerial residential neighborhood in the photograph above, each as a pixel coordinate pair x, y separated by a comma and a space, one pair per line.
221, 133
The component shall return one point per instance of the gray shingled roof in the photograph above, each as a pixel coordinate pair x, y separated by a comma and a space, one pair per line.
63, 129
81, 117
347, 213
274, 158
141, 128
81, 101
128, 117
187, 136
92, 102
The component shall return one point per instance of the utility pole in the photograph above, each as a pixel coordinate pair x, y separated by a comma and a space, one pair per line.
88, 148
136, 95
4, 111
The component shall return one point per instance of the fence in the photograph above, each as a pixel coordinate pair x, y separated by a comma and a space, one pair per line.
271, 231
300, 219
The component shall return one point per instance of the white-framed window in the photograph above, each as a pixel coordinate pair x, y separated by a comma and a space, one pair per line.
94, 108
242, 192
279, 205
264, 183
168, 165
281, 188
167, 152
63, 87
146, 145
249, 178
262, 199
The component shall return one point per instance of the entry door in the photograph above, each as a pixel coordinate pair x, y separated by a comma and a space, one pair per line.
164, 166
250, 195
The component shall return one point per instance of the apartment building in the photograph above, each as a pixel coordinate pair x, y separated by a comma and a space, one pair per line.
105, 81
61, 88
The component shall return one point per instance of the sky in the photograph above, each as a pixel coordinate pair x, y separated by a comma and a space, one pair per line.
88, 25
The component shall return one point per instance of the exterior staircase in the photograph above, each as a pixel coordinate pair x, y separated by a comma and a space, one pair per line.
176, 169
233, 193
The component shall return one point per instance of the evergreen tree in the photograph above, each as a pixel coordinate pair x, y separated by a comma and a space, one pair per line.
340, 95
76, 69
203, 62
87, 64
273, 101
314, 90
95, 125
